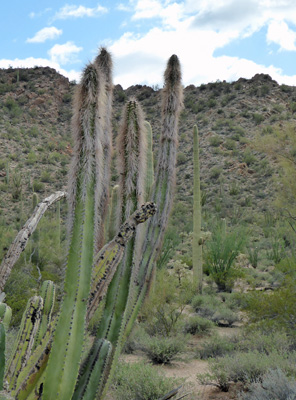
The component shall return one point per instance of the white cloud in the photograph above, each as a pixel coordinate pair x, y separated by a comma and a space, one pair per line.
64, 53
279, 33
124, 7
34, 14
45, 34
32, 62
168, 12
74, 11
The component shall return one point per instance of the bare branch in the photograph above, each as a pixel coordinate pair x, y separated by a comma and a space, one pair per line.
20, 242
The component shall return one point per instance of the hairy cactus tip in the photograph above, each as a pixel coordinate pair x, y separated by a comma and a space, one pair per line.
173, 71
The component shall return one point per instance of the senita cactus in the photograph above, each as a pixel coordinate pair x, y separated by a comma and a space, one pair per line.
197, 243
49, 368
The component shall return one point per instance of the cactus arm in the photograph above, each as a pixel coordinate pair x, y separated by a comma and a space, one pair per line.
32, 376
48, 295
104, 64
109, 257
197, 246
5, 314
25, 340
172, 102
94, 367
125, 233
2, 354
21, 240
85, 191
65, 356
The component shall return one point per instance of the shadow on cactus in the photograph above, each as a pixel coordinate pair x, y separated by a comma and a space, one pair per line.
47, 359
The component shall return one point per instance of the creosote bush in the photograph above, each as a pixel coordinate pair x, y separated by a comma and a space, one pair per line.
246, 367
141, 381
275, 385
197, 325
162, 350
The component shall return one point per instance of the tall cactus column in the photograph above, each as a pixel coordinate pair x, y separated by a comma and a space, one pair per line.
163, 190
85, 185
197, 245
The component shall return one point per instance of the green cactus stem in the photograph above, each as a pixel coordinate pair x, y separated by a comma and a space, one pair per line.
31, 378
196, 243
25, 340
109, 257
96, 363
113, 222
5, 314
104, 63
102, 276
63, 364
163, 190
5, 317
149, 180
2, 354
48, 295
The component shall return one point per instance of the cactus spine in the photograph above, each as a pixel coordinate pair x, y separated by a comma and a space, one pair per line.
197, 245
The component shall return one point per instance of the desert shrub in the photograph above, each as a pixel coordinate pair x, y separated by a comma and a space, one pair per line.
181, 158
225, 316
272, 311
258, 118
215, 172
275, 385
277, 251
248, 157
162, 312
38, 186
216, 346
135, 340
246, 367
162, 350
205, 305
230, 144
266, 343
220, 254
253, 255
197, 325
141, 381
215, 141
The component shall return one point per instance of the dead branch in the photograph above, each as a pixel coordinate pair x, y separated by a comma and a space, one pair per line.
20, 242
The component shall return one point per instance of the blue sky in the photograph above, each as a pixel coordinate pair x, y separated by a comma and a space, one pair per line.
214, 39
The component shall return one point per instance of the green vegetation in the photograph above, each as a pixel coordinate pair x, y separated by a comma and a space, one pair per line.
247, 172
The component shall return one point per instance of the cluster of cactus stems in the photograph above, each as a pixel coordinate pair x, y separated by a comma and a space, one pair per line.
47, 359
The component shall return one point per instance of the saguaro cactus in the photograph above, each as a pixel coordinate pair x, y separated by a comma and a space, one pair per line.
197, 244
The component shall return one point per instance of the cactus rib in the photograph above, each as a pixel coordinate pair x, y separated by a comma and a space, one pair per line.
25, 340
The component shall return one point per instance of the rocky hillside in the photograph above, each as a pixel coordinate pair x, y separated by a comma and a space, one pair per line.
35, 146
